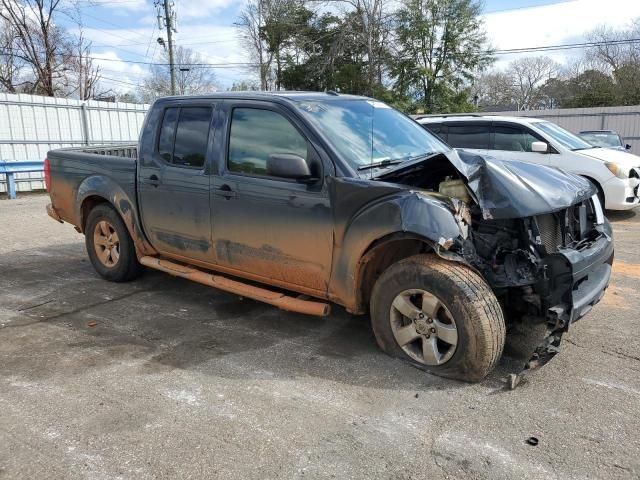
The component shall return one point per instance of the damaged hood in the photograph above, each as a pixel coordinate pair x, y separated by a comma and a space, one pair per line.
512, 189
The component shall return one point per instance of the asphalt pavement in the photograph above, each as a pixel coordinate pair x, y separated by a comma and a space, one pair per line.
162, 378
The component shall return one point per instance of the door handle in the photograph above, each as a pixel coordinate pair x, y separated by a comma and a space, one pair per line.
154, 180
225, 191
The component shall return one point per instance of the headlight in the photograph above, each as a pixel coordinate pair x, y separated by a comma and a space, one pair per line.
617, 170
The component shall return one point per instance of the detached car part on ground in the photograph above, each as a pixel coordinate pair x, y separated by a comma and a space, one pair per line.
448, 251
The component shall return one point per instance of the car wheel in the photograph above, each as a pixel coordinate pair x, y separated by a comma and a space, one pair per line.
440, 316
109, 245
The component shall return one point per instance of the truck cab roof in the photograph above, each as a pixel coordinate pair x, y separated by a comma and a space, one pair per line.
282, 95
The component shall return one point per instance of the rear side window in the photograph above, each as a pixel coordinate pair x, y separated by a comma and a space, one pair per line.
437, 129
469, 136
512, 139
256, 134
167, 132
192, 136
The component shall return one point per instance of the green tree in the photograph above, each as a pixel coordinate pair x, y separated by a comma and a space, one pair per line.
441, 44
328, 54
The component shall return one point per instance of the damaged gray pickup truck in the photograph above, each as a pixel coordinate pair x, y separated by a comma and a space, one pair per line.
301, 199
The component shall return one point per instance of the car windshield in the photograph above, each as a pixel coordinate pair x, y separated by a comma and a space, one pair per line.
602, 139
563, 137
368, 133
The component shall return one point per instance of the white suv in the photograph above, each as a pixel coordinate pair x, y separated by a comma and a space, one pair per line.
615, 173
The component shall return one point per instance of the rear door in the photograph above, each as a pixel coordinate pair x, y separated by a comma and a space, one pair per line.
473, 136
174, 182
272, 229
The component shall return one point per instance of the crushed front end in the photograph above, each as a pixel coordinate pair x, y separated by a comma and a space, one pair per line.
547, 270
536, 234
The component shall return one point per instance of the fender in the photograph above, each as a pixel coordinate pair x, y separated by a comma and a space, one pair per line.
396, 210
104, 187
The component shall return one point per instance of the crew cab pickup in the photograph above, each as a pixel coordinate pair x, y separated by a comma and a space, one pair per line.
305, 199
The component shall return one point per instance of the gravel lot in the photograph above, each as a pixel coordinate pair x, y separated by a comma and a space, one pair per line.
162, 378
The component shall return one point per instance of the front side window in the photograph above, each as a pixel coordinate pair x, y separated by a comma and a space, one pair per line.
469, 136
192, 136
255, 134
563, 137
513, 139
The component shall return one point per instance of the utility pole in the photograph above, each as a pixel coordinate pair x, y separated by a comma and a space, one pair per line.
167, 19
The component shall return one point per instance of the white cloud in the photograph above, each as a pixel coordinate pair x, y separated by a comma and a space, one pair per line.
555, 24
216, 44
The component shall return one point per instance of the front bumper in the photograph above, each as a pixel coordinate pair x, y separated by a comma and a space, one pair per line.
578, 279
621, 194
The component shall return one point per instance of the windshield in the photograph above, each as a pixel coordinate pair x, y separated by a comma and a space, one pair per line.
602, 139
562, 136
366, 132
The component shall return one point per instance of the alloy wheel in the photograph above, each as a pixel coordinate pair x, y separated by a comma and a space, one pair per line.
423, 327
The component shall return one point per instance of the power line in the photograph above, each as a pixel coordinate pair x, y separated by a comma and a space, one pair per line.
102, 77
135, 62
567, 46
253, 64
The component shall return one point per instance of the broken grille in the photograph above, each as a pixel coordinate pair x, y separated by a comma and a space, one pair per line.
550, 231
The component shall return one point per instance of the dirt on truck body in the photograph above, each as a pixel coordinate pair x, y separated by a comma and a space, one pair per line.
297, 199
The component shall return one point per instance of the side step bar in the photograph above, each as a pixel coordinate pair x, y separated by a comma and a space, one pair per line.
277, 299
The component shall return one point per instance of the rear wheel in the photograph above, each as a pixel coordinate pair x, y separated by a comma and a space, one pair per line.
110, 246
438, 315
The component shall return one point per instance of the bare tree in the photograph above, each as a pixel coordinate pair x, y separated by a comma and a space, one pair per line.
87, 76
82, 76
10, 63
615, 48
39, 42
528, 75
374, 25
618, 54
494, 90
250, 24
193, 77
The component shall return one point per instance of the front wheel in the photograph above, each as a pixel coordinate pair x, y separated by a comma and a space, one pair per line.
438, 315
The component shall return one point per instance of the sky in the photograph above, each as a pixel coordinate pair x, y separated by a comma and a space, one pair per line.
125, 31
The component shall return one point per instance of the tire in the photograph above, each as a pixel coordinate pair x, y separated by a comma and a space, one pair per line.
453, 297
104, 231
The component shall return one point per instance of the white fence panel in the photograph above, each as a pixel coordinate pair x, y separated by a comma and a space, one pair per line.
31, 125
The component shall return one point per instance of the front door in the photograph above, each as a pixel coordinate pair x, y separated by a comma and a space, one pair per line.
174, 184
272, 229
513, 142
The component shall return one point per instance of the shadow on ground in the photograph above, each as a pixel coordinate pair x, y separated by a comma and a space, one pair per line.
620, 215
166, 323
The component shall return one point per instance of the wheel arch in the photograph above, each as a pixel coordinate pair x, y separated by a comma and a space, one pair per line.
393, 228
380, 255
598, 186
97, 190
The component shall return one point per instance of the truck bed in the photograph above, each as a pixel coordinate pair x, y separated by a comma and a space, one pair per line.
77, 171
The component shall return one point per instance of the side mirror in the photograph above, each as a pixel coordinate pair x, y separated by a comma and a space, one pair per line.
627, 147
288, 165
539, 147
